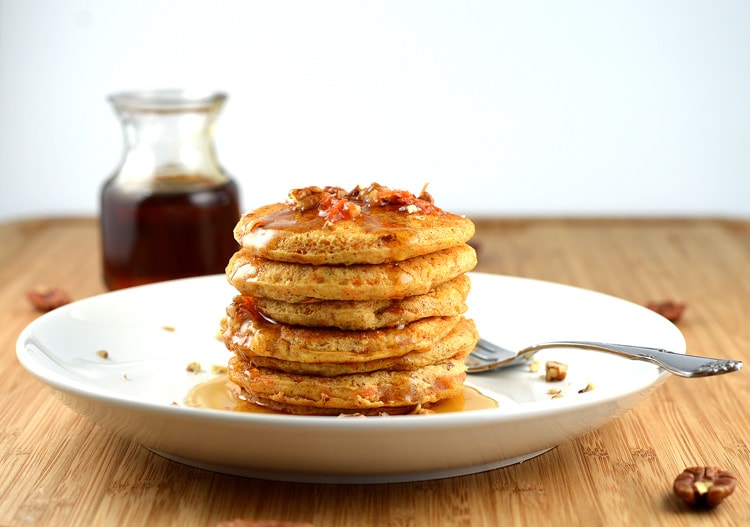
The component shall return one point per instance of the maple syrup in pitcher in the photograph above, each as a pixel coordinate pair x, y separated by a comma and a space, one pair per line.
170, 209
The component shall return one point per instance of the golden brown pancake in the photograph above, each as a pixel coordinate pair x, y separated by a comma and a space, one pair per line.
291, 282
456, 344
380, 391
445, 300
247, 333
377, 233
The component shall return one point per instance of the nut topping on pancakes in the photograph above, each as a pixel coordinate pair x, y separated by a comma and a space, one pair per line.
335, 204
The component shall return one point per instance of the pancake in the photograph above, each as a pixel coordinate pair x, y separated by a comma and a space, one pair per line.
247, 333
371, 225
445, 300
456, 344
293, 282
380, 391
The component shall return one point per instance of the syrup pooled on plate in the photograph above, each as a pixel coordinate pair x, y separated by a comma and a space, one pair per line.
220, 394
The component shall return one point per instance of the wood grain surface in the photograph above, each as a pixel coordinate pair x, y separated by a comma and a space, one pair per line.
57, 468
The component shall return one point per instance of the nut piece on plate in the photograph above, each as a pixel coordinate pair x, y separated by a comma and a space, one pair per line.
704, 486
555, 371
47, 299
669, 309
194, 367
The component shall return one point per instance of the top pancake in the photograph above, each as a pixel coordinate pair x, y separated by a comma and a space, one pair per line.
372, 233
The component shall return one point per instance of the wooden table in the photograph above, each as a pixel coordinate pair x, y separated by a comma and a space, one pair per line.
57, 468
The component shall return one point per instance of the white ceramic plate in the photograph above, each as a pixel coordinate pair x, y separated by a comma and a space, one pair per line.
152, 332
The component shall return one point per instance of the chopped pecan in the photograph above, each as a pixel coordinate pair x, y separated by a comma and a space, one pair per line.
307, 198
555, 371
47, 299
335, 204
194, 367
704, 486
381, 196
218, 369
669, 309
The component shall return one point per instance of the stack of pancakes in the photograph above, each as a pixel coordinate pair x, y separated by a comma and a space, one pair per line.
350, 303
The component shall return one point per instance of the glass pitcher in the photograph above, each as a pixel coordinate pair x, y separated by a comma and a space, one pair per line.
170, 208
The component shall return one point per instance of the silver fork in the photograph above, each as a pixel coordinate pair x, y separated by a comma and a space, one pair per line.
487, 356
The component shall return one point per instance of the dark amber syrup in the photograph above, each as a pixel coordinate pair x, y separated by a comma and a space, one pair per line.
168, 231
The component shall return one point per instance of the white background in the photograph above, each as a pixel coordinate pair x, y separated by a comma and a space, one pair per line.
504, 107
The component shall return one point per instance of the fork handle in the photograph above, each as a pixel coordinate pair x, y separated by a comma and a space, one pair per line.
677, 363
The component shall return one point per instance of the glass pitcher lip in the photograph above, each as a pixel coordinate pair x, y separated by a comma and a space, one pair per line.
167, 99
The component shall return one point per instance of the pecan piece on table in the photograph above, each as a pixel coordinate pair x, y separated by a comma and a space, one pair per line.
669, 309
47, 299
261, 523
704, 486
